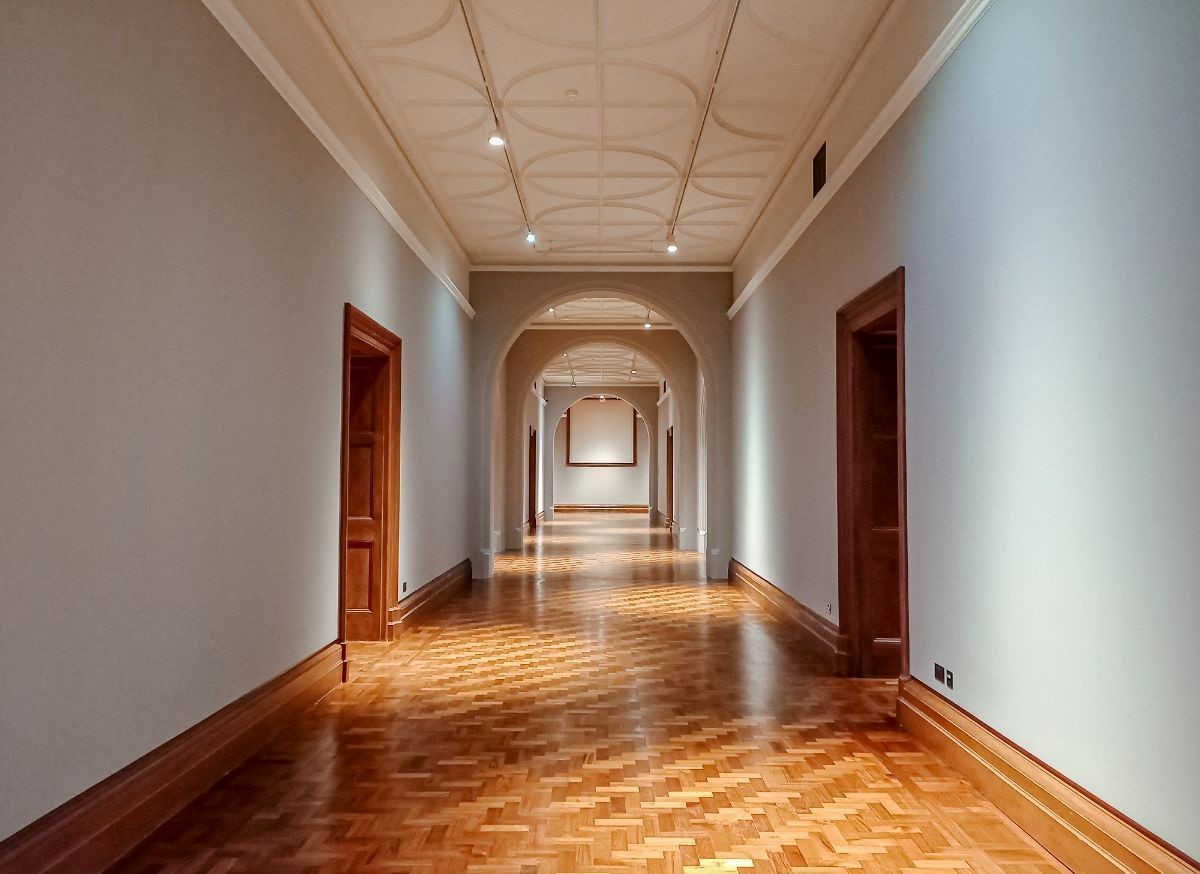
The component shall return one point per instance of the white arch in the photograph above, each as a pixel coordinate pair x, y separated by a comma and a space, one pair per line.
568, 396
700, 321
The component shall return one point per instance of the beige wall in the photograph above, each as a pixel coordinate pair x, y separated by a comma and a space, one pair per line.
1043, 194
641, 398
603, 485
176, 251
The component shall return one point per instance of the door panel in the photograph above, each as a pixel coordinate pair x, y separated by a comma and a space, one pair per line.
366, 466
878, 506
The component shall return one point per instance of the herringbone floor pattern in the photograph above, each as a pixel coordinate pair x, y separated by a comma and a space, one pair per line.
596, 708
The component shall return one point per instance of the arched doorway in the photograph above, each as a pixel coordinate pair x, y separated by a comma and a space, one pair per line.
700, 331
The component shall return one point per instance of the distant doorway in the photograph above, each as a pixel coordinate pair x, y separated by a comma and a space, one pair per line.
370, 476
669, 476
872, 523
531, 482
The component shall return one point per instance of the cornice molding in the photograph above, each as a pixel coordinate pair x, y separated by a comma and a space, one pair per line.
933, 59
248, 40
601, 268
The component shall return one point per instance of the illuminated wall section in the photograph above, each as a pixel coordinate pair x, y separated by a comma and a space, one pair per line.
1043, 194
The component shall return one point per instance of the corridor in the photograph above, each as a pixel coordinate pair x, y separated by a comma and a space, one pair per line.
598, 706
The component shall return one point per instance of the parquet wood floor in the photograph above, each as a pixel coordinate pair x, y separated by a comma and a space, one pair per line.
598, 707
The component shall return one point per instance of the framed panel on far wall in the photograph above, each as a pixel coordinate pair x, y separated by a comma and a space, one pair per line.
601, 434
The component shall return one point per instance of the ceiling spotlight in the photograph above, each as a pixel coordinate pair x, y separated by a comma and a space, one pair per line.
496, 138
633, 371
550, 310
531, 238
564, 355
647, 325
672, 247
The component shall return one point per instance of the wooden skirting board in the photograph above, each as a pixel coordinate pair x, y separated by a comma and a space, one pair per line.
417, 605
96, 828
781, 605
1084, 833
583, 508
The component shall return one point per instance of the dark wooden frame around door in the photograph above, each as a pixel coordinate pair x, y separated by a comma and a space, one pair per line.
531, 482
880, 304
669, 475
364, 337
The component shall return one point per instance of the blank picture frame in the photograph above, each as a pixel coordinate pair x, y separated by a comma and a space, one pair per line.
601, 434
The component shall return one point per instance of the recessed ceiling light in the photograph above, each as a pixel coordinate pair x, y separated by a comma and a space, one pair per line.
672, 246
564, 355
530, 237
495, 138
647, 325
633, 371
550, 310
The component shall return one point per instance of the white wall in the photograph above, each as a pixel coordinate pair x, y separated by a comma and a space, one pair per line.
602, 485
1043, 194
176, 251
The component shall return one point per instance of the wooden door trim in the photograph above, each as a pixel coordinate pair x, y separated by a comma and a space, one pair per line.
531, 481
875, 304
362, 331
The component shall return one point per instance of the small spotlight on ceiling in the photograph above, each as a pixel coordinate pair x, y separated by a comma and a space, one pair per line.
550, 310
496, 138
531, 237
633, 371
672, 246
647, 325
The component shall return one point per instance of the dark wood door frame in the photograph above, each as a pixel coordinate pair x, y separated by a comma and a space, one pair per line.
531, 487
669, 475
363, 337
882, 303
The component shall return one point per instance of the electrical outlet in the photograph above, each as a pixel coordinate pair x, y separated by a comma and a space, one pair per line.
829, 608
949, 679
404, 586
939, 673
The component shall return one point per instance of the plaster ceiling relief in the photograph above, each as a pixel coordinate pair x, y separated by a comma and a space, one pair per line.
626, 121
601, 312
601, 364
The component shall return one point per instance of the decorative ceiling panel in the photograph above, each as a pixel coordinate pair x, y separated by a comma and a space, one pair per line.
600, 312
601, 364
612, 142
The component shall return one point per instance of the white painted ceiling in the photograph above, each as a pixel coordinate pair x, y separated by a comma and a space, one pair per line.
601, 364
600, 312
605, 173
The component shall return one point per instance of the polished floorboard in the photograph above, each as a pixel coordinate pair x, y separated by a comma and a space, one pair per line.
597, 707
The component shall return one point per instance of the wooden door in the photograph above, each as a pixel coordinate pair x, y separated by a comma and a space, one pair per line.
531, 488
872, 556
670, 477
370, 456
878, 506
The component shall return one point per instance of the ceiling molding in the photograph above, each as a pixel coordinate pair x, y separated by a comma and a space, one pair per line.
602, 268
933, 59
249, 41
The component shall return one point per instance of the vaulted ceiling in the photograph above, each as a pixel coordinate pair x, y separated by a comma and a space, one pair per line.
601, 364
600, 312
627, 121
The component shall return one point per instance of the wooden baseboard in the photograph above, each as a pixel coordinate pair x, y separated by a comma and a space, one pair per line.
781, 605
421, 602
583, 508
95, 829
1081, 831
